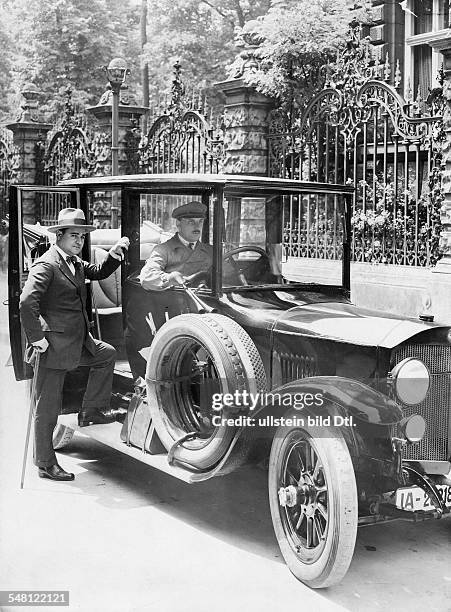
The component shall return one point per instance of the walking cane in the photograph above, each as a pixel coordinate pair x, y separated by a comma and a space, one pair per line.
37, 357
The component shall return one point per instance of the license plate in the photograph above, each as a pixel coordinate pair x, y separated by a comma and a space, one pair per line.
414, 498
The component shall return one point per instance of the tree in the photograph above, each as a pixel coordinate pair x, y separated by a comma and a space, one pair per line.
200, 34
61, 43
295, 46
5, 69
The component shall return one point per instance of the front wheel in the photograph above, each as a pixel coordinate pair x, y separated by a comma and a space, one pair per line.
313, 501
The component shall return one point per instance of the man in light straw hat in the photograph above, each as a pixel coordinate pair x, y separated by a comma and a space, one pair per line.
55, 320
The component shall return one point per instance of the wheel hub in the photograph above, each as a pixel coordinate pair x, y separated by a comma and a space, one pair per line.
291, 495
287, 496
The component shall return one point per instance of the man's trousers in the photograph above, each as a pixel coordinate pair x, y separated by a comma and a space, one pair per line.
49, 391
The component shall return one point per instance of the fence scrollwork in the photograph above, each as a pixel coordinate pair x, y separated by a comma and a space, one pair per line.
72, 150
360, 130
181, 138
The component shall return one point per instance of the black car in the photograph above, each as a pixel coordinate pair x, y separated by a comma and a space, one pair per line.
351, 407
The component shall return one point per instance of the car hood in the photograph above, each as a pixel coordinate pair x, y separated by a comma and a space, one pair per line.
348, 323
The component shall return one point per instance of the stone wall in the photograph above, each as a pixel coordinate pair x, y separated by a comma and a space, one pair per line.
401, 290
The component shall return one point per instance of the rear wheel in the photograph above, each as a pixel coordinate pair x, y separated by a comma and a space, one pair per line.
313, 501
193, 357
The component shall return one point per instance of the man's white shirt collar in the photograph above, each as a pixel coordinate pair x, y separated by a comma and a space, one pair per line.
65, 256
187, 242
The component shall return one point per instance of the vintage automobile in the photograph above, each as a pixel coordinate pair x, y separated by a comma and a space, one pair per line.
350, 407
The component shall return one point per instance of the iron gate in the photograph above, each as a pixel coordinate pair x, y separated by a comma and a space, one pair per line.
182, 138
360, 130
72, 151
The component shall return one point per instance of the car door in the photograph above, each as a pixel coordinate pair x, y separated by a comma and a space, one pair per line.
32, 209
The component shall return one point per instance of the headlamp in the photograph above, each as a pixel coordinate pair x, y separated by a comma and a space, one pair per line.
411, 380
413, 427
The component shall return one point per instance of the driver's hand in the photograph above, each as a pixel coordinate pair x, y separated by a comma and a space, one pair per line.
176, 278
189, 278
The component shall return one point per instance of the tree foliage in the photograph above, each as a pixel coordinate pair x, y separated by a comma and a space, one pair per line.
5, 69
61, 42
56, 43
295, 46
200, 34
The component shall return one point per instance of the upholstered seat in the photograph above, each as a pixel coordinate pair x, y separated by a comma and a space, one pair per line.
107, 305
107, 295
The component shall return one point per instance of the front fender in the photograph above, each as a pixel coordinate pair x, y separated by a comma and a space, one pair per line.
354, 397
369, 440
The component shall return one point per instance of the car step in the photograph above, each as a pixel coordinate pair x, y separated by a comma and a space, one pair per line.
110, 434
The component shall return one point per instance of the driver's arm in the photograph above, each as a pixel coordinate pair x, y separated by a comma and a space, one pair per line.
153, 276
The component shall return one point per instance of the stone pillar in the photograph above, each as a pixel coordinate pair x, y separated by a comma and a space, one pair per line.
246, 114
29, 136
129, 118
107, 208
246, 119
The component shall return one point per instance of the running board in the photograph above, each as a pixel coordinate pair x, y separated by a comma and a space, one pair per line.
110, 436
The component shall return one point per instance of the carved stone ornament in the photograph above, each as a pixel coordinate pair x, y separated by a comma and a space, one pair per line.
29, 107
125, 97
248, 39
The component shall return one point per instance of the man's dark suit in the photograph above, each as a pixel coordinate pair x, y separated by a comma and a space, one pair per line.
53, 305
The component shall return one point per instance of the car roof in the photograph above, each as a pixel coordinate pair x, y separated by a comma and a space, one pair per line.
202, 181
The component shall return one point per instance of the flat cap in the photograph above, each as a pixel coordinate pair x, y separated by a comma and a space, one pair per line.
192, 209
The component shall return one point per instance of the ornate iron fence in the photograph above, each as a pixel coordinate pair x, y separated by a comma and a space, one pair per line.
8, 163
360, 130
72, 150
181, 138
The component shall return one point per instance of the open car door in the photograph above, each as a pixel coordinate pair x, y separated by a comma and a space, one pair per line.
32, 210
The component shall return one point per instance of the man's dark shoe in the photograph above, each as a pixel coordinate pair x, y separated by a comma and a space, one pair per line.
98, 416
55, 472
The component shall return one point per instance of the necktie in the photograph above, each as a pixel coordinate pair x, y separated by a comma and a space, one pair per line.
71, 259
192, 245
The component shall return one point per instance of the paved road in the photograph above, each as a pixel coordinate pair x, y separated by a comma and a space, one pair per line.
123, 537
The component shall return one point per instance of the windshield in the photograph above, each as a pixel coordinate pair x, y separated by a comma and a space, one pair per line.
278, 239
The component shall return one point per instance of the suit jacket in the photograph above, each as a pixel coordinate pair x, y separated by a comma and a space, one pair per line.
53, 305
174, 255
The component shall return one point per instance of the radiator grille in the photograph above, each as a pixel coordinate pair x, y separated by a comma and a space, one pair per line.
437, 406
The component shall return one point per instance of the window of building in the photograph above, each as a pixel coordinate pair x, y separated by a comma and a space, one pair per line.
422, 19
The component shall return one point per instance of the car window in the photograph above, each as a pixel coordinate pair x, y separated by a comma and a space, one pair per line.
313, 233
249, 237
156, 222
278, 238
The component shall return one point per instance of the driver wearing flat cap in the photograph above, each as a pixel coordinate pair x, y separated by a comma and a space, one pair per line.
175, 261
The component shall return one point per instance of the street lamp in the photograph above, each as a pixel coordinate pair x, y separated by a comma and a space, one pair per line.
117, 72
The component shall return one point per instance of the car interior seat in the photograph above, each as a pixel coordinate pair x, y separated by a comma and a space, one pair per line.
107, 304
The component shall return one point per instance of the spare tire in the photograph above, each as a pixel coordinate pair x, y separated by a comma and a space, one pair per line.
193, 356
